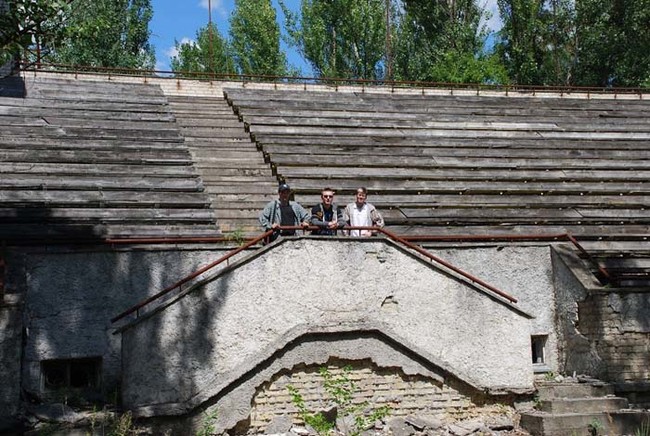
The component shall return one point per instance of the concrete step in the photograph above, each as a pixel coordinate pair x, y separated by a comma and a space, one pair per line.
550, 391
583, 405
625, 422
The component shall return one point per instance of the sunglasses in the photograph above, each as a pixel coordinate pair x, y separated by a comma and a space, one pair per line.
327, 196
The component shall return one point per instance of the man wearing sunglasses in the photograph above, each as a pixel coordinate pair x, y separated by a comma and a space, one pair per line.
326, 215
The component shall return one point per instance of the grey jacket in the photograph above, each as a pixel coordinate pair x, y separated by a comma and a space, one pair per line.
271, 214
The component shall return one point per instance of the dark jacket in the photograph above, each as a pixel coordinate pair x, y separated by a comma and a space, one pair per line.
320, 219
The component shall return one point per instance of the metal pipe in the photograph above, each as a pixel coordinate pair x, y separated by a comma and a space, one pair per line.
268, 233
63, 68
195, 274
449, 266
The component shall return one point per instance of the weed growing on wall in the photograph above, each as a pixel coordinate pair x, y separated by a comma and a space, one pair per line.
123, 425
644, 430
208, 424
595, 427
341, 388
238, 236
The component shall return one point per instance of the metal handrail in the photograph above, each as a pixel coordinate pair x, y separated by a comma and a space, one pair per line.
267, 234
336, 82
404, 240
192, 276
448, 265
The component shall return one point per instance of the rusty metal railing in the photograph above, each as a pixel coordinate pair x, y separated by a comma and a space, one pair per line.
264, 236
332, 81
135, 309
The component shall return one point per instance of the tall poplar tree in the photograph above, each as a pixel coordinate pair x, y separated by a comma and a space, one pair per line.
613, 42
443, 41
340, 38
255, 39
210, 53
537, 43
108, 33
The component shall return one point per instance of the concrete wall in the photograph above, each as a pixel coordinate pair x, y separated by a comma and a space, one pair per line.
70, 297
605, 332
10, 349
525, 272
200, 346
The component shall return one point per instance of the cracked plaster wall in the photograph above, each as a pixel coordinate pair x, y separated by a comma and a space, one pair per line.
205, 341
524, 272
70, 297
10, 349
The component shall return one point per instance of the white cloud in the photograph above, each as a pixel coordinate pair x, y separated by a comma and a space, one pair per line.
172, 51
217, 6
494, 22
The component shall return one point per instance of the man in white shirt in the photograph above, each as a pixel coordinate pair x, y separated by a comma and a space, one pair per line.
362, 214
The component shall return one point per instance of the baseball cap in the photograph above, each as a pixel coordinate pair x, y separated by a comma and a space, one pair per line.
284, 187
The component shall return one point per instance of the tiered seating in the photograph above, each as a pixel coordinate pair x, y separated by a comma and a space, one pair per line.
466, 165
233, 171
89, 160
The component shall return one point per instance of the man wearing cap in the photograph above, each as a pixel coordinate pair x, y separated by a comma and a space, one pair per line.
283, 212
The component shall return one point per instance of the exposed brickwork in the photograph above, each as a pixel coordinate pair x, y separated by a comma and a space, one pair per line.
404, 394
617, 327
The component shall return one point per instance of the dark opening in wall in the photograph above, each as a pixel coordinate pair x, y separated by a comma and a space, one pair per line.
538, 344
71, 373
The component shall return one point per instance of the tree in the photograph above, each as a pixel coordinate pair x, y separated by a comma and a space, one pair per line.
255, 36
537, 41
108, 33
443, 41
31, 24
613, 42
211, 53
340, 38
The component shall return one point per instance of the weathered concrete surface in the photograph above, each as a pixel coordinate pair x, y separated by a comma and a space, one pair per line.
10, 349
71, 296
525, 271
213, 335
576, 353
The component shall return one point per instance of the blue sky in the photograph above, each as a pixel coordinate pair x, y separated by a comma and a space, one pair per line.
179, 20
176, 20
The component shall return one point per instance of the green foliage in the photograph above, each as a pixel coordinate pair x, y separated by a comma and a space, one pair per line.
468, 68
644, 430
435, 39
340, 38
211, 53
315, 420
123, 426
108, 33
550, 376
26, 23
537, 41
237, 236
613, 43
341, 388
255, 36
208, 425
595, 427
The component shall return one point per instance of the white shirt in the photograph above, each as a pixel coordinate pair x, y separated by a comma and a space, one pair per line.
360, 217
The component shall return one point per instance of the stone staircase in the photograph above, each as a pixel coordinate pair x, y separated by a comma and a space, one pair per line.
590, 408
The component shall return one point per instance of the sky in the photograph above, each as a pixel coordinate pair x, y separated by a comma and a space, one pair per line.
179, 20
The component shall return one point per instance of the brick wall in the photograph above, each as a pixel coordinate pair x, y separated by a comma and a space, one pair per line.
404, 394
618, 327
